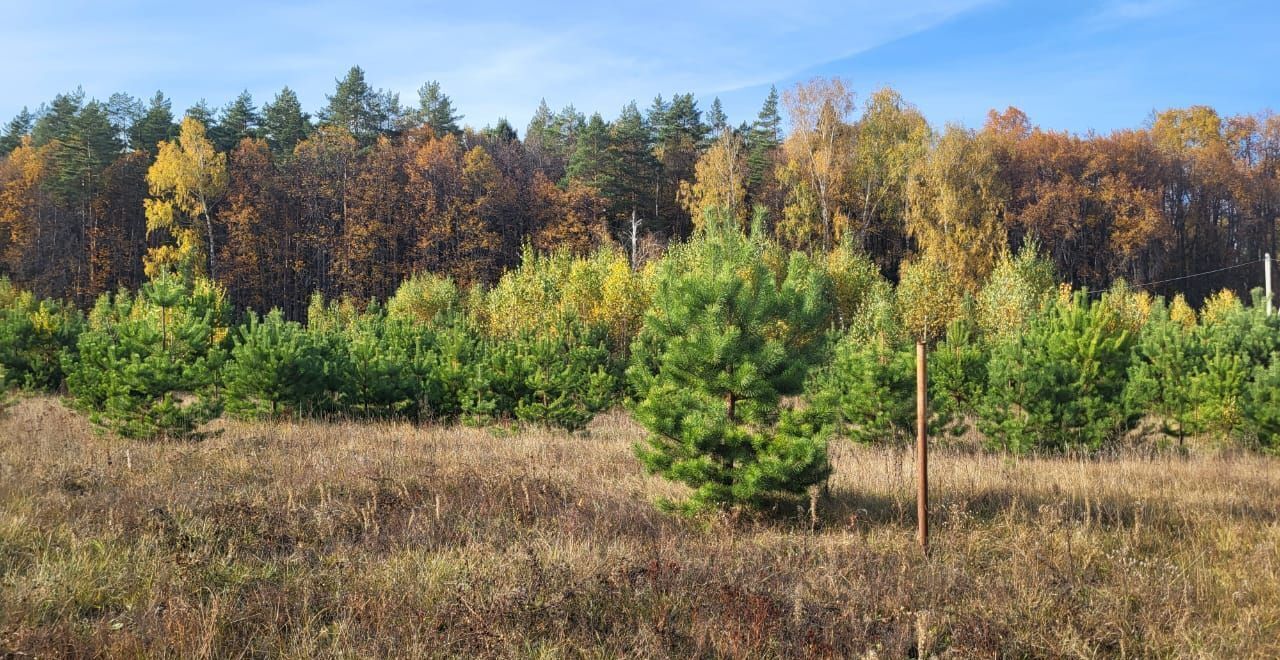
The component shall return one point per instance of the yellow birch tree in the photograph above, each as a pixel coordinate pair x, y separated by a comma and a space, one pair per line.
186, 180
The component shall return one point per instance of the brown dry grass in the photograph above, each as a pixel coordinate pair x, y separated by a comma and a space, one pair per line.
389, 541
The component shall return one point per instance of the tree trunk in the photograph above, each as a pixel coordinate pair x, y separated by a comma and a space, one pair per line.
208, 224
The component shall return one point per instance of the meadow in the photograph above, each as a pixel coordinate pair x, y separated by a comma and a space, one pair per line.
368, 539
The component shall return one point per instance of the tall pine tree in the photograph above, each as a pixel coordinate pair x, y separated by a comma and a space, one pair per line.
435, 110
284, 124
763, 140
238, 120
363, 111
154, 126
726, 338
17, 128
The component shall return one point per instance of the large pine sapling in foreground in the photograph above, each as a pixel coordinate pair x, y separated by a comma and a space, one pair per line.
148, 365
724, 340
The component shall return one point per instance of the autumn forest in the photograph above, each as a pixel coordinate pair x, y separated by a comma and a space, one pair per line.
831, 380
276, 203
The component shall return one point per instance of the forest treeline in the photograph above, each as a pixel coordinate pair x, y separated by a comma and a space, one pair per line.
275, 204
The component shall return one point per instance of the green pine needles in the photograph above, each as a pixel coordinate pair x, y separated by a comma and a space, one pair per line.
148, 364
725, 339
278, 369
743, 357
1059, 384
33, 336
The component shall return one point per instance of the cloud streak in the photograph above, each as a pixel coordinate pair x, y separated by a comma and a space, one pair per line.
494, 60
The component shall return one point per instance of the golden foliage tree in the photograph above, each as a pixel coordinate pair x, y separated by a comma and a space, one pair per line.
322, 168
250, 255
546, 290
816, 170
569, 218
928, 298
21, 206
187, 178
720, 181
892, 136
366, 262
450, 193
956, 206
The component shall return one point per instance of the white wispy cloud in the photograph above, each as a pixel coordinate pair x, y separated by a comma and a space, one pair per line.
493, 58
1115, 14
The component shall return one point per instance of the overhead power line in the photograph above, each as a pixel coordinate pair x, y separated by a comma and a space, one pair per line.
1185, 277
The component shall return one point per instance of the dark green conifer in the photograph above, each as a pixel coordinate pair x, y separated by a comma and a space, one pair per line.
725, 340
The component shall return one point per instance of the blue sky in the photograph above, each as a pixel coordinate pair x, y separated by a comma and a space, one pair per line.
1095, 64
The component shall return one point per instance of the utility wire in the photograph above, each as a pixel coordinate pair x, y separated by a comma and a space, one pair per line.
1184, 277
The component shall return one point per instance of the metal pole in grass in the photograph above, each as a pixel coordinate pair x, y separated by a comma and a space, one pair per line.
922, 446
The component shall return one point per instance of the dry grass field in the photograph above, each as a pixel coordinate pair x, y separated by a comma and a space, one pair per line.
318, 540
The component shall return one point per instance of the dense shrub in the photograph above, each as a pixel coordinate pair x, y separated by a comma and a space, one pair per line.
424, 298
724, 340
395, 366
1015, 292
385, 366
869, 387
148, 364
33, 336
550, 292
569, 377
855, 280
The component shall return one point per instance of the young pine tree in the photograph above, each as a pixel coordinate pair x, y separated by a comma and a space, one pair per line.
1234, 341
1165, 359
1262, 405
1060, 383
148, 365
957, 376
869, 388
276, 369
568, 379
724, 340
33, 336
